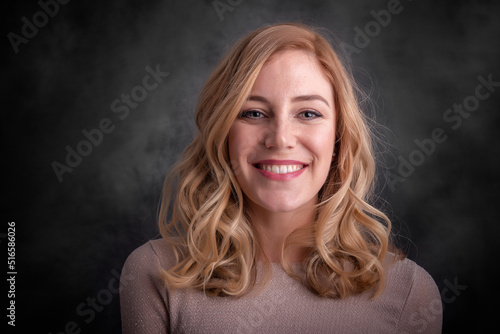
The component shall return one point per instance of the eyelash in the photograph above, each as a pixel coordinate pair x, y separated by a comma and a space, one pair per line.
315, 113
246, 114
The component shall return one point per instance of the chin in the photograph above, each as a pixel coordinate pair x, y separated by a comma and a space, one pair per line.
281, 205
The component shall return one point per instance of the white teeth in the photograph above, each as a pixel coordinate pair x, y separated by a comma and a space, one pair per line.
281, 169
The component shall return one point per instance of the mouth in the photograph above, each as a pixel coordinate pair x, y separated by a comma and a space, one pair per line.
280, 167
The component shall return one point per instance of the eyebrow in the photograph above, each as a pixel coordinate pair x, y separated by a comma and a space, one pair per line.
295, 99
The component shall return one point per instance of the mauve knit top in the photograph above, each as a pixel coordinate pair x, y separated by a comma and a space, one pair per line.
409, 303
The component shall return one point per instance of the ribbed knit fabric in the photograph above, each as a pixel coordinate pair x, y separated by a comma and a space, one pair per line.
410, 303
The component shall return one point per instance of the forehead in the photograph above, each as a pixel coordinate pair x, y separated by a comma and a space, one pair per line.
295, 72
284, 55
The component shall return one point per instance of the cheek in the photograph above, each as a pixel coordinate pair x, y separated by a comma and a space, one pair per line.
236, 143
321, 143
241, 148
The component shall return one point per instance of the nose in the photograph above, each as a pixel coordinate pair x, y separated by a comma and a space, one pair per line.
280, 135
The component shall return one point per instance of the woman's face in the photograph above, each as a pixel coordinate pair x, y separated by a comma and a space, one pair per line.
282, 142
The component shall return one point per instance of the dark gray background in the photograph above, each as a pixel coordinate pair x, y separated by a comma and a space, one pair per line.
72, 235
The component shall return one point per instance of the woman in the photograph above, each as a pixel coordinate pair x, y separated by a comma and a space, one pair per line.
269, 229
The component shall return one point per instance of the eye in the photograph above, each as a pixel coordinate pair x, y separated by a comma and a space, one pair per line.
310, 114
252, 114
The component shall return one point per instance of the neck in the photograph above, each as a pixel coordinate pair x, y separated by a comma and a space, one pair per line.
274, 227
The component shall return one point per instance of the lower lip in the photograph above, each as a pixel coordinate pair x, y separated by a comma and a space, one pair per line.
281, 177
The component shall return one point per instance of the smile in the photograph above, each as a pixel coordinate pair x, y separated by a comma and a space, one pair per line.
280, 169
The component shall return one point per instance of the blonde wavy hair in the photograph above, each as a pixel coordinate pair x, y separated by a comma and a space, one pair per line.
203, 212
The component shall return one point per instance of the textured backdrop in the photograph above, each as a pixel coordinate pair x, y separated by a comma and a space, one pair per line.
99, 101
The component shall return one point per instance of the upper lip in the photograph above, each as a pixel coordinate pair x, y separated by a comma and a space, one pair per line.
279, 162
